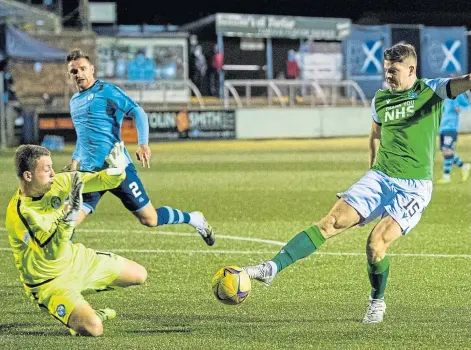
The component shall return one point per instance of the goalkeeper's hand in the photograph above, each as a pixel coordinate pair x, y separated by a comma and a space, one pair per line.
116, 159
75, 200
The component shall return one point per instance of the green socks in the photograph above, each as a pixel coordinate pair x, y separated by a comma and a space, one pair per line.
303, 244
378, 273
308, 241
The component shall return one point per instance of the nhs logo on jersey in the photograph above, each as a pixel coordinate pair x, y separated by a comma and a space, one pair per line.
401, 111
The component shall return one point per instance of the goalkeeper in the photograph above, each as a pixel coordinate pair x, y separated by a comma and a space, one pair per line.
40, 222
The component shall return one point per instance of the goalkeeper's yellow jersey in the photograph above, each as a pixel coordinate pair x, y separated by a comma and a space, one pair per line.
39, 238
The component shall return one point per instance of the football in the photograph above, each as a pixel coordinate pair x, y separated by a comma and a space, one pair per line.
231, 285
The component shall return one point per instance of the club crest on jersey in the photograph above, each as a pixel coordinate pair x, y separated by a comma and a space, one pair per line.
388, 100
90, 97
26, 237
56, 202
412, 95
60, 310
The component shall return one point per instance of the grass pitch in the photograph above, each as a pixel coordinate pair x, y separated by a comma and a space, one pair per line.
257, 195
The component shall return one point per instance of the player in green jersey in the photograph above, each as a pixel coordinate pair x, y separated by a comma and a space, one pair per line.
40, 221
398, 186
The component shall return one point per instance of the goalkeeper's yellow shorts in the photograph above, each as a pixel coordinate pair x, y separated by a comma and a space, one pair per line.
90, 272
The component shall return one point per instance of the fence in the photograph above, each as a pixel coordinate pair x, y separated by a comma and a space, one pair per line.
323, 93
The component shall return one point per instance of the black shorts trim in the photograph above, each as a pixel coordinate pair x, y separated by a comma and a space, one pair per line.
103, 253
38, 284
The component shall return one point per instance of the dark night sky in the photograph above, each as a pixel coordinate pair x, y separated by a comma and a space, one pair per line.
184, 11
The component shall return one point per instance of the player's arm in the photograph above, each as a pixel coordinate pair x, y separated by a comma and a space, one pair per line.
97, 181
46, 239
93, 181
374, 140
130, 108
75, 156
50, 238
458, 85
375, 133
143, 152
463, 102
100, 181
74, 164
75, 159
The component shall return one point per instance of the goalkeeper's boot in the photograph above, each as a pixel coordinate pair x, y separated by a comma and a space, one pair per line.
465, 171
198, 221
103, 315
375, 311
263, 272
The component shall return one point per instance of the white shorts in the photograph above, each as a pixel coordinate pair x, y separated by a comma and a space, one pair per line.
377, 194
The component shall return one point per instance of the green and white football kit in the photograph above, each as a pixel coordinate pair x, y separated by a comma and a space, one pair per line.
400, 182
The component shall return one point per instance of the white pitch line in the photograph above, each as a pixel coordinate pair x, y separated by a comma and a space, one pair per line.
182, 234
247, 252
244, 252
176, 251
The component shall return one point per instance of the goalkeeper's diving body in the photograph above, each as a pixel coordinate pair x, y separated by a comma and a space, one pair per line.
40, 221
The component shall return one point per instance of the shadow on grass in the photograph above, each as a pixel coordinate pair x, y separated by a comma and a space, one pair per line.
157, 331
24, 328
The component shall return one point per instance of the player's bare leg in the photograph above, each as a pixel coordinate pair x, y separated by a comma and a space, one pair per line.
380, 238
147, 216
341, 217
84, 321
448, 155
132, 274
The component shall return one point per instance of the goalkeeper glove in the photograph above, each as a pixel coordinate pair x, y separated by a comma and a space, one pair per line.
75, 200
116, 159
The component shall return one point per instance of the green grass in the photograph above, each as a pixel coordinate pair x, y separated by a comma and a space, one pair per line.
268, 190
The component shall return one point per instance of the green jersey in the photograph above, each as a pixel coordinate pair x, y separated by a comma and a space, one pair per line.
409, 122
38, 236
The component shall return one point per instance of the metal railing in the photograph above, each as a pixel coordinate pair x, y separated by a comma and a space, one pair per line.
317, 91
163, 92
282, 93
350, 84
160, 91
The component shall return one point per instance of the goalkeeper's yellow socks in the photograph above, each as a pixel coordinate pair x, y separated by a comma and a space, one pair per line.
303, 244
167, 215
